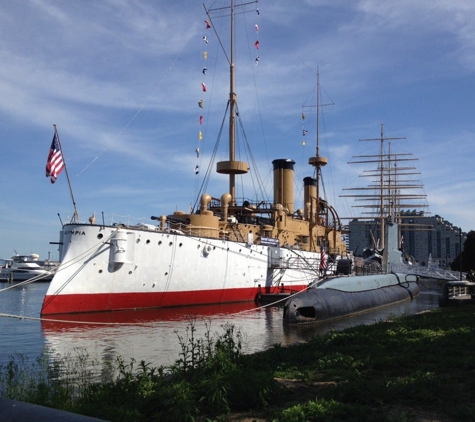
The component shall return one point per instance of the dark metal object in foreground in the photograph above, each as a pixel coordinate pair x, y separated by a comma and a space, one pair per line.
16, 411
276, 299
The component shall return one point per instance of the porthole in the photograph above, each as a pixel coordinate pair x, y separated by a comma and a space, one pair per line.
100, 236
166, 273
159, 242
130, 272
138, 240
100, 271
148, 241
170, 244
180, 245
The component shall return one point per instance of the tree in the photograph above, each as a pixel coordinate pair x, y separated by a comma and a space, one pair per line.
467, 256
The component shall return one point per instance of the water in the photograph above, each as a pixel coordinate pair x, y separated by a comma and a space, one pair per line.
21, 335
152, 335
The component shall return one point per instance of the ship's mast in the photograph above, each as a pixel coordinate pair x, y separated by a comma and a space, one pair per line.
320, 163
381, 180
232, 167
391, 188
232, 111
317, 161
318, 113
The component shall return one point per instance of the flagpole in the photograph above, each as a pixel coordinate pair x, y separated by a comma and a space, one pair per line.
76, 215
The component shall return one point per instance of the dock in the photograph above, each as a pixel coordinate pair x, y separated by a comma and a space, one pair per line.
456, 293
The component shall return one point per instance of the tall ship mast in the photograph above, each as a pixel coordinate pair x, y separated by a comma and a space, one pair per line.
394, 187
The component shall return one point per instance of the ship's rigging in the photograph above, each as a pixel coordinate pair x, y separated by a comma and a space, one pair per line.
393, 187
231, 167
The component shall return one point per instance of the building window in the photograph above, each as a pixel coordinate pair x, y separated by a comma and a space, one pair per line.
439, 245
429, 239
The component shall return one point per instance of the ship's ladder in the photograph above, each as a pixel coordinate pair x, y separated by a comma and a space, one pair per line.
272, 283
275, 276
237, 233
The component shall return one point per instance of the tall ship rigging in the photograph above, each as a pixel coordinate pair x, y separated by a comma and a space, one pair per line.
394, 187
226, 249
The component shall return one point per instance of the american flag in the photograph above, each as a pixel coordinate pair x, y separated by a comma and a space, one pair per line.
323, 259
54, 164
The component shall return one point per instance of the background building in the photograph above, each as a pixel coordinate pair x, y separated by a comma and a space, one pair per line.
420, 237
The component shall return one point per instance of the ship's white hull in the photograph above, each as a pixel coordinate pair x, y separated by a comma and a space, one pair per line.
112, 268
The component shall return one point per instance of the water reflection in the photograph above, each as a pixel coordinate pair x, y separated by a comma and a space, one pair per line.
149, 335
153, 335
426, 300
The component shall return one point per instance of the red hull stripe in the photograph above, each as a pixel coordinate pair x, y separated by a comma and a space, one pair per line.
76, 303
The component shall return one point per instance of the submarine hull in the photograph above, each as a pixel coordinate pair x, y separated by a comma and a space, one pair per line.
322, 304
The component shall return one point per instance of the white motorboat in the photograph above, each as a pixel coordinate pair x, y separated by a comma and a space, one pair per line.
24, 267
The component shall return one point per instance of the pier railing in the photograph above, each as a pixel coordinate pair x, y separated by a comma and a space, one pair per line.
457, 292
429, 272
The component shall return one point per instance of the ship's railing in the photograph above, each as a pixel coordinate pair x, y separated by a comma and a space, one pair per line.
369, 268
335, 251
428, 272
178, 228
299, 262
294, 262
182, 229
196, 231
144, 222
366, 267
260, 207
111, 219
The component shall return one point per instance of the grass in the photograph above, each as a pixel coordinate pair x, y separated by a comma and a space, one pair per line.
413, 368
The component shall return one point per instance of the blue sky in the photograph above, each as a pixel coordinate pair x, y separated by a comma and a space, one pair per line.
122, 79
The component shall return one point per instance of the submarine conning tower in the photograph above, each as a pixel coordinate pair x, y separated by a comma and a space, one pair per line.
284, 183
